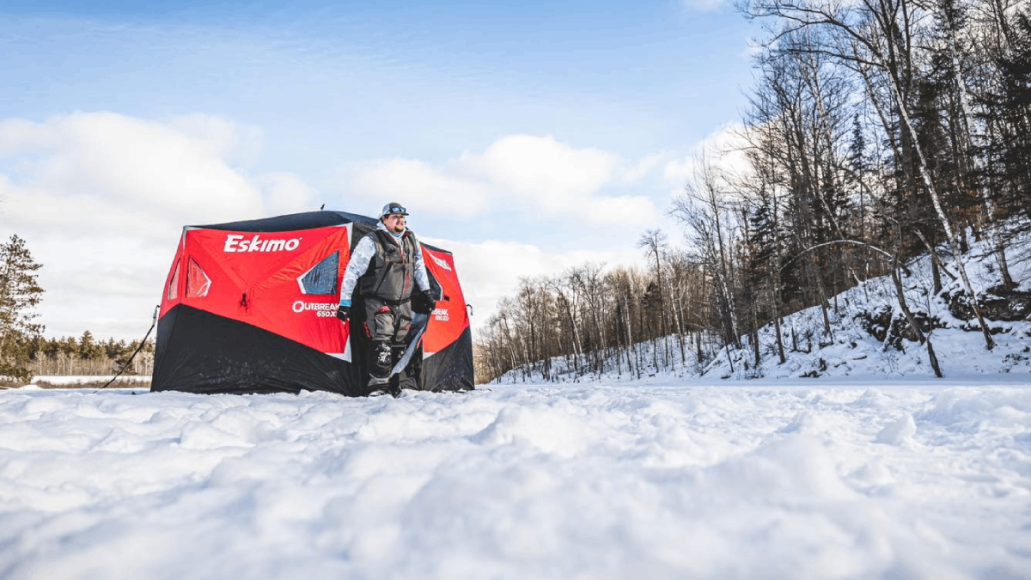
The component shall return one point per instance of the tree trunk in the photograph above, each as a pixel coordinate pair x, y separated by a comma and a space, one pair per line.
939, 210
780, 342
924, 339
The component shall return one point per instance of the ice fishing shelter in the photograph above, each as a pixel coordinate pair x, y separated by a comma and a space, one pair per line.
249, 307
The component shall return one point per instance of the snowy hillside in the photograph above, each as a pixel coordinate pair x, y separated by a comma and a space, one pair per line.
860, 344
867, 311
914, 480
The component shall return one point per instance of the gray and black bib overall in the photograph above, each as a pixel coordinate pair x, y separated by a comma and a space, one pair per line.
386, 287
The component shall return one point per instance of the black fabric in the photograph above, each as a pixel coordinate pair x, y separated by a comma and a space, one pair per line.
450, 369
299, 221
408, 378
199, 352
343, 312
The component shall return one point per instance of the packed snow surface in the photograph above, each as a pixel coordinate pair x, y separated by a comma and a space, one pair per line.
730, 480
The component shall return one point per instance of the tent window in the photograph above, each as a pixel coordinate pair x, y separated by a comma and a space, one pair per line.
173, 286
197, 282
322, 279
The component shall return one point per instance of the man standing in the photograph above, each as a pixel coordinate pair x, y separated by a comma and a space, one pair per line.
386, 266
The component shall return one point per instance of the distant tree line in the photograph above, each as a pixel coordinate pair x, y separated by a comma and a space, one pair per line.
87, 356
877, 131
25, 353
595, 321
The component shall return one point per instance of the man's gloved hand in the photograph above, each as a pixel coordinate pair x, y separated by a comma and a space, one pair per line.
423, 302
344, 312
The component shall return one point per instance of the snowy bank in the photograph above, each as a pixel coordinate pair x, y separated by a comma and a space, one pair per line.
868, 338
914, 480
869, 334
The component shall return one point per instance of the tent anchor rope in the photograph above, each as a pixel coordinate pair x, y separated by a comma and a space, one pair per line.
138, 349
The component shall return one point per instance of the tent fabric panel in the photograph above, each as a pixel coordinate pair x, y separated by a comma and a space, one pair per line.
298, 221
450, 317
262, 288
450, 369
254, 257
173, 284
200, 352
170, 298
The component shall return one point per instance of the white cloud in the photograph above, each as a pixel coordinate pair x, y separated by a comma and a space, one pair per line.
723, 148
645, 167
285, 193
21, 135
119, 164
539, 177
419, 186
552, 175
101, 199
236, 144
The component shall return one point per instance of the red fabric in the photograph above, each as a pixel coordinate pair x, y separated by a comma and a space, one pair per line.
450, 317
254, 279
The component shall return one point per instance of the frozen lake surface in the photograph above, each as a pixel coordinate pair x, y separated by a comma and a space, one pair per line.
719, 480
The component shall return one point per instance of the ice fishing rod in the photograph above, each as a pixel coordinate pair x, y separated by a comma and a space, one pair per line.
138, 348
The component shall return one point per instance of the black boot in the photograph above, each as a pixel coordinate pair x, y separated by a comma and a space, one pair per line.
380, 363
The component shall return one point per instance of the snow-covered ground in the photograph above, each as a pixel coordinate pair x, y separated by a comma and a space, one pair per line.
69, 380
915, 480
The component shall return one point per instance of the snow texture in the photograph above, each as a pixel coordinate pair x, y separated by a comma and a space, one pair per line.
916, 480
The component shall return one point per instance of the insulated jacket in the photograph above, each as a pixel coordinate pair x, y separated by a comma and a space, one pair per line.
383, 267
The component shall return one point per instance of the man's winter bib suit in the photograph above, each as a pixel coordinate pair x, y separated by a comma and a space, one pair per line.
385, 268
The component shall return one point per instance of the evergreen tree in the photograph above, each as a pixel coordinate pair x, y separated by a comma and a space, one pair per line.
1009, 119
19, 294
89, 349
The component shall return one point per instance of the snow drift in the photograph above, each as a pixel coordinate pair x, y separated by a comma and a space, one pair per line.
595, 481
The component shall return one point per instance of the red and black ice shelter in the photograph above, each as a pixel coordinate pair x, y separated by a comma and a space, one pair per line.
250, 307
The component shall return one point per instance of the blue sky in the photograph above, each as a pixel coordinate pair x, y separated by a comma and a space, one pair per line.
535, 135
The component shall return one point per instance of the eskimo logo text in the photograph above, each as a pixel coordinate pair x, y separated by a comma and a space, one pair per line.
237, 243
